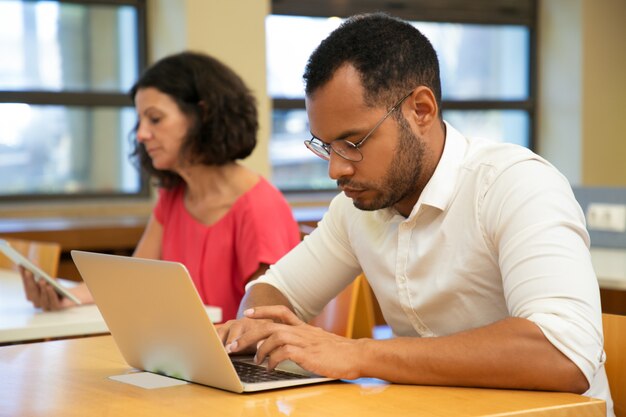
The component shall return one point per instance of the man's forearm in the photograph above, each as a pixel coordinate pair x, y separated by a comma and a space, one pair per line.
262, 295
512, 353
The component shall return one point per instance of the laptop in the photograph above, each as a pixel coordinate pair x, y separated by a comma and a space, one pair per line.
160, 325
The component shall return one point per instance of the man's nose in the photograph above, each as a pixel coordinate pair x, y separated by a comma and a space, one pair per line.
339, 167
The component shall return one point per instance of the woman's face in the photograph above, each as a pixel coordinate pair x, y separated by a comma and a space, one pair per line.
162, 127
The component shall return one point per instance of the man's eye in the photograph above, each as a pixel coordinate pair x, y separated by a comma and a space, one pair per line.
342, 144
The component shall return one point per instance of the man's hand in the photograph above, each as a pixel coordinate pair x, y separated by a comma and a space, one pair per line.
232, 330
278, 334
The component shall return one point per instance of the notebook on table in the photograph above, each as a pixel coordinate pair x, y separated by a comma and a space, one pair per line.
160, 325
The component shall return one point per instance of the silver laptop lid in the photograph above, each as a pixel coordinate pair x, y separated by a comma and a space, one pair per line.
160, 325
157, 318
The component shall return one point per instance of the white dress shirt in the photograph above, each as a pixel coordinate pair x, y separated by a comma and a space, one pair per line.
497, 232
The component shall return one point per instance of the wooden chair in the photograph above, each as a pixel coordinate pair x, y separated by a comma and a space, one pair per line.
349, 314
45, 255
615, 348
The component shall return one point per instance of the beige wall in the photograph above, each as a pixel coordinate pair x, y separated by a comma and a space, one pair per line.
559, 123
582, 91
232, 31
604, 92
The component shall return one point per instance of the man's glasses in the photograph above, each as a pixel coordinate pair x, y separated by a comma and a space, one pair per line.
344, 148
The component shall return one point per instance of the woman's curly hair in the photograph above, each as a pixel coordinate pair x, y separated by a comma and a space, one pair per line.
221, 108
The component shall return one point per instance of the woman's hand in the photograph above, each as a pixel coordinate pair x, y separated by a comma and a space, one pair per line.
43, 295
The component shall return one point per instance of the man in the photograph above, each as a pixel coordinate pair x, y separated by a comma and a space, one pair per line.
477, 252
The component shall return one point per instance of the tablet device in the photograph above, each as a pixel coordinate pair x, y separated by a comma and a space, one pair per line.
20, 259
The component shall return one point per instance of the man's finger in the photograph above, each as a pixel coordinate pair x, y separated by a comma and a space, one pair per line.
286, 336
279, 314
251, 336
283, 353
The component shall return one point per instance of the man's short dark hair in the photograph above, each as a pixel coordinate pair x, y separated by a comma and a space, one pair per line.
220, 106
391, 56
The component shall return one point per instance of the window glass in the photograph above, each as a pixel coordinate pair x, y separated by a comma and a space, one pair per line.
289, 42
65, 115
511, 126
480, 62
477, 61
294, 167
53, 46
66, 150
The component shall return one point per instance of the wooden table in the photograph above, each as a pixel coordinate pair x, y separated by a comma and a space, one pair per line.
70, 378
20, 321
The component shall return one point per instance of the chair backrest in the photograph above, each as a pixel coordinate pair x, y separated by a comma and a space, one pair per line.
46, 255
615, 348
350, 313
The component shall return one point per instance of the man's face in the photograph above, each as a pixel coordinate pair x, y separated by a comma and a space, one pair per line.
389, 173
401, 180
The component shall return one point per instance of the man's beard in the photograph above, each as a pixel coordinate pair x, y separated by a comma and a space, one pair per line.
403, 174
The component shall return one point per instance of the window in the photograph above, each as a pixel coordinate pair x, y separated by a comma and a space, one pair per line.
486, 52
64, 109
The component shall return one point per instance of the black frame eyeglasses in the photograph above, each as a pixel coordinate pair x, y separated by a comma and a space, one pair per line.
344, 148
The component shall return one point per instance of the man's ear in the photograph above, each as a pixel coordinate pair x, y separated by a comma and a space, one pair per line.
424, 108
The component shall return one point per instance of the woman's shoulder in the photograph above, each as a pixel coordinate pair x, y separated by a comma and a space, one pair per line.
168, 199
263, 199
264, 192
264, 211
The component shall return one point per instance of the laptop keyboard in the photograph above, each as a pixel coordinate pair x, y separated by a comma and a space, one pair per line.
250, 373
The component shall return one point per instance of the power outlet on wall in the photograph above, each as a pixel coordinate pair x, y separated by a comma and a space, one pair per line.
606, 217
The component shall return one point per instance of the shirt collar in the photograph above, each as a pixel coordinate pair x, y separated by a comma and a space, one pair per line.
441, 187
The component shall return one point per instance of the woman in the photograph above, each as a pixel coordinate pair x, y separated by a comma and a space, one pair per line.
227, 224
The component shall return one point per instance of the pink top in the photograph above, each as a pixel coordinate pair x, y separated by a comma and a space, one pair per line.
259, 228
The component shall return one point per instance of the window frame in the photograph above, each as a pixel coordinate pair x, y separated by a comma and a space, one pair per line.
486, 12
87, 99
